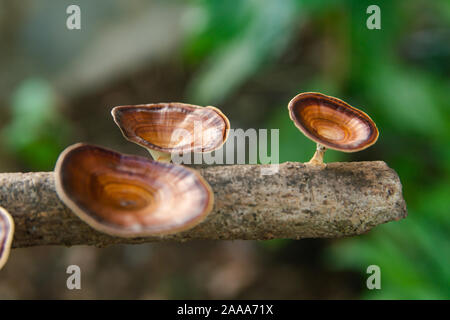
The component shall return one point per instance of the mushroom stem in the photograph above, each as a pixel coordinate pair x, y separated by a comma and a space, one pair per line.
165, 157
317, 158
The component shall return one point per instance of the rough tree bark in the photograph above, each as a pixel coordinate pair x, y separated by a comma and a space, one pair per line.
342, 199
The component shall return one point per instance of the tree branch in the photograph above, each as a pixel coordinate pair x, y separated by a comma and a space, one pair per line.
342, 199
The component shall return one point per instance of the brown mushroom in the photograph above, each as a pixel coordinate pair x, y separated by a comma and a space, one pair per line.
167, 128
6, 235
130, 196
332, 124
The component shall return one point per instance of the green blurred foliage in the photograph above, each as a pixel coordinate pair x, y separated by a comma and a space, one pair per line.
399, 75
236, 38
36, 132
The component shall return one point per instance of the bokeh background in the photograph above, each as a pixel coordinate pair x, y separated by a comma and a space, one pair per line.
249, 58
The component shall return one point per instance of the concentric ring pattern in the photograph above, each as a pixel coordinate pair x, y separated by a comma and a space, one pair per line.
173, 127
332, 122
129, 195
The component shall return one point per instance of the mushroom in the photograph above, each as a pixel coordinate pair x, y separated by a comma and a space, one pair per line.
130, 196
332, 124
6, 235
166, 128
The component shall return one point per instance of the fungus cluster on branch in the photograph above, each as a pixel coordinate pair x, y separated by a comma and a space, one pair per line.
130, 196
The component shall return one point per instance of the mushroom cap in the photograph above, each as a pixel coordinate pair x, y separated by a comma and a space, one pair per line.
157, 126
6, 235
130, 196
332, 123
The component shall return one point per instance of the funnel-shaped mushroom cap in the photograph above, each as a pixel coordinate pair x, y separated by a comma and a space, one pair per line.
173, 127
6, 235
130, 196
332, 122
